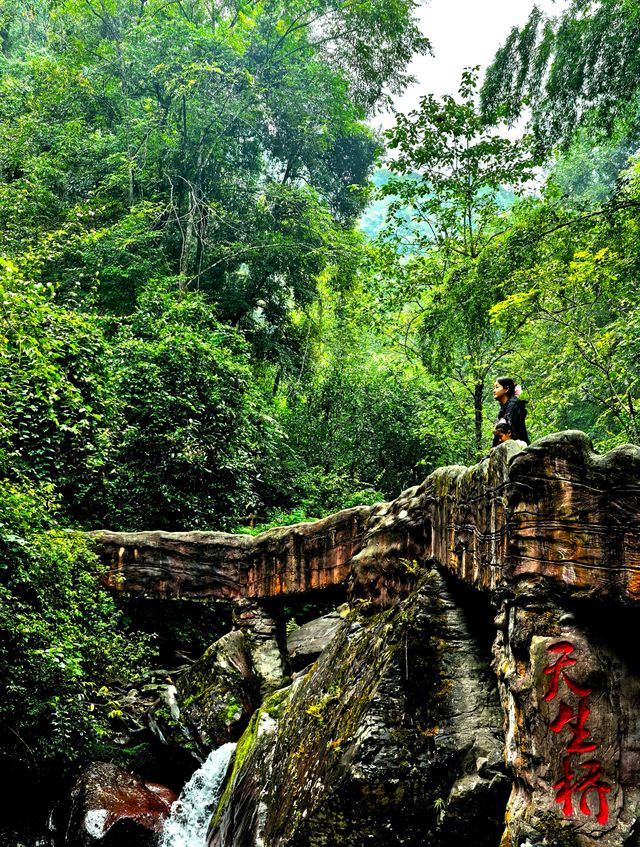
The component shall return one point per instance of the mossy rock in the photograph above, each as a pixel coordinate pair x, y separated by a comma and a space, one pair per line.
218, 694
376, 740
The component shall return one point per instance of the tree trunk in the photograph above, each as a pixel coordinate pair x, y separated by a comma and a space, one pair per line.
276, 382
478, 392
187, 240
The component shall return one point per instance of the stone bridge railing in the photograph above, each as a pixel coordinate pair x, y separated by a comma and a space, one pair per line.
555, 510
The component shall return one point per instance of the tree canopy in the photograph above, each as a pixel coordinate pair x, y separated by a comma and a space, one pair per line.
449, 206
578, 69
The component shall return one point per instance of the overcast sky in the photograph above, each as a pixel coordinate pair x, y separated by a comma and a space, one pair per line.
463, 33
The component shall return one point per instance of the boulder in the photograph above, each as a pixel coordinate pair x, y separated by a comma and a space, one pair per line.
393, 736
113, 808
214, 698
307, 641
264, 631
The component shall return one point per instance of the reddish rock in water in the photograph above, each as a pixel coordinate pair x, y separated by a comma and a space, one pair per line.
111, 806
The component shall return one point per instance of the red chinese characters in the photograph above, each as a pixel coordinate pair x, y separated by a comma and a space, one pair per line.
576, 723
589, 787
565, 648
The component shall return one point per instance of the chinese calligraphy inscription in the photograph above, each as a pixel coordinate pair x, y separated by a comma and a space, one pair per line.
590, 789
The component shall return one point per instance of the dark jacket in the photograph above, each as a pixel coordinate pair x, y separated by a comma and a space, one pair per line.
514, 413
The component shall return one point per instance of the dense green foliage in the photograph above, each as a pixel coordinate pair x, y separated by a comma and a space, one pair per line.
452, 170
191, 425
62, 639
179, 184
578, 69
175, 180
576, 287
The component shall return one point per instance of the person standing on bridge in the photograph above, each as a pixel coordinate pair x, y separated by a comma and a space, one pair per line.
513, 410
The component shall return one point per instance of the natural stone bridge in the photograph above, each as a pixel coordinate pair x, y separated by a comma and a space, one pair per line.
550, 537
555, 510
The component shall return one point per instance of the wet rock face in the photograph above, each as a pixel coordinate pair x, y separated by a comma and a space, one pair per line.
217, 695
394, 734
213, 699
113, 808
241, 814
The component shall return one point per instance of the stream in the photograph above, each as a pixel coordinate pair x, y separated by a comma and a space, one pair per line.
190, 815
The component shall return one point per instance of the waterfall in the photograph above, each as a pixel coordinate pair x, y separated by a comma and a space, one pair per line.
187, 824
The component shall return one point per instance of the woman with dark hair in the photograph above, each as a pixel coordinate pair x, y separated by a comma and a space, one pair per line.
512, 409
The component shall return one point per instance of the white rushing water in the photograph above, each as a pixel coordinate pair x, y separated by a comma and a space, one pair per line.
187, 824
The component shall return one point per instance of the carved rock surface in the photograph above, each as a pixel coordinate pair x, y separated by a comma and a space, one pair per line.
394, 736
570, 698
113, 808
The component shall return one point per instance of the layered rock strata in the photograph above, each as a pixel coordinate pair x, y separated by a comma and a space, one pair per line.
286, 560
555, 509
